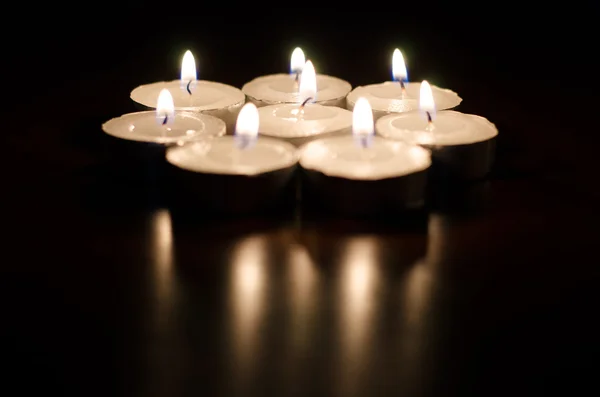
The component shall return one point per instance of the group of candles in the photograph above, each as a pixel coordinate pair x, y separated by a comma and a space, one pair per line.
388, 131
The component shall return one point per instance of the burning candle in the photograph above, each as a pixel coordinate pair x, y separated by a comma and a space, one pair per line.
362, 173
462, 144
399, 95
139, 140
240, 173
306, 120
190, 94
165, 125
284, 88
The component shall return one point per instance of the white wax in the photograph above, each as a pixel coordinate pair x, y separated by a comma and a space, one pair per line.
282, 88
388, 97
449, 128
342, 157
289, 121
143, 127
222, 156
207, 95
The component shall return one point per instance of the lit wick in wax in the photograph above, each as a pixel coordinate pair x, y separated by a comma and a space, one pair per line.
430, 125
296, 63
308, 85
165, 110
188, 73
305, 102
363, 127
427, 104
246, 127
399, 71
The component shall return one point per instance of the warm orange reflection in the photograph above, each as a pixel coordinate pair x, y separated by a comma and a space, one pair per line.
164, 341
437, 240
417, 294
248, 295
419, 301
359, 280
162, 257
416, 342
303, 279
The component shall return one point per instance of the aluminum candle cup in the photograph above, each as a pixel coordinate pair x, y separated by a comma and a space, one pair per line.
362, 174
462, 145
399, 96
189, 94
140, 139
284, 88
234, 174
303, 122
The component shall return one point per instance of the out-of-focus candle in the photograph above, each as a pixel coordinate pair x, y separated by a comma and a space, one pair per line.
462, 144
285, 88
399, 95
193, 95
306, 120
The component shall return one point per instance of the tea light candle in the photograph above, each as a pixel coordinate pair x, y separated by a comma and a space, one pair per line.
399, 96
462, 144
165, 125
239, 173
284, 88
190, 94
139, 140
305, 121
362, 173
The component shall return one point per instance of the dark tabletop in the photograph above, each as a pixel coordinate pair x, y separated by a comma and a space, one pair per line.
103, 293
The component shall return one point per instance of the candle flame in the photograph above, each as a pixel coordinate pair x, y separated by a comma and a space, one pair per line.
426, 102
399, 71
246, 127
308, 83
362, 122
188, 72
165, 109
297, 61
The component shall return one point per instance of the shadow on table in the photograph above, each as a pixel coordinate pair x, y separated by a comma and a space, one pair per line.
467, 199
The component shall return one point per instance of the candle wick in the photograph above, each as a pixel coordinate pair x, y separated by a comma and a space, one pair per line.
364, 142
297, 77
244, 142
430, 125
305, 102
188, 87
166, 119
403, 88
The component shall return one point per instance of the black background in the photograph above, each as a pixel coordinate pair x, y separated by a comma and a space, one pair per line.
515, 301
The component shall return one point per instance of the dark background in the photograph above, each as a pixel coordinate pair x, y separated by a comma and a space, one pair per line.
509, 292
